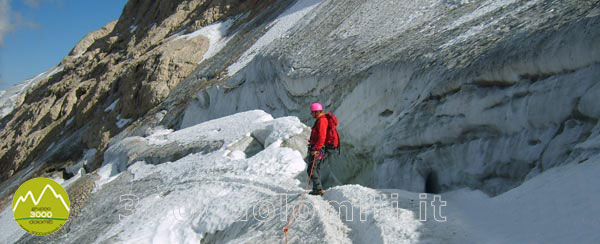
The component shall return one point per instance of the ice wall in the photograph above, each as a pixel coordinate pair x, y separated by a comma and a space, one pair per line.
481, 94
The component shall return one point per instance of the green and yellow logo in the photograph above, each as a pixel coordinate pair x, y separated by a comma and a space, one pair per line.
41, 206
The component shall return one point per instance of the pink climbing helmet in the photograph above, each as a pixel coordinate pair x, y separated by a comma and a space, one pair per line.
316, 107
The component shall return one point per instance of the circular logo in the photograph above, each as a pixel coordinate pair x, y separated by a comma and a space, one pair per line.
41, 206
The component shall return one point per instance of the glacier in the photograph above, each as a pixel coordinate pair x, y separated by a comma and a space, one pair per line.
488, 105
482, 94
216, 196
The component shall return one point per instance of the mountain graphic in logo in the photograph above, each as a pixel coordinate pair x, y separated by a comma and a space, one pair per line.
41, 206
36, 202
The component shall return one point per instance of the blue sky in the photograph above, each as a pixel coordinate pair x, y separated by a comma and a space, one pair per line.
37, 34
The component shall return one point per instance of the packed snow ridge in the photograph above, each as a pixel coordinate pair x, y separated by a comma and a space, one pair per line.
237, 179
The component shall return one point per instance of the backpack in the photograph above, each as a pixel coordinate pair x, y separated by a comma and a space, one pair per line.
332, 140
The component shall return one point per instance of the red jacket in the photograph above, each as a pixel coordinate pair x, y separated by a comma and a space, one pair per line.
318, 133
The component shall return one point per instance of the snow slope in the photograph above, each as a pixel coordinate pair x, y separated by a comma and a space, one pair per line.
277, 29
558, 206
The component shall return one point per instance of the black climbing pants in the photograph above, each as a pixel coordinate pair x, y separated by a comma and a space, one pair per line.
316, 181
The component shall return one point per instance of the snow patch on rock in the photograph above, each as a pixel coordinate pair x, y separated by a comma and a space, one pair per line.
112, 106
216, 34
122, 122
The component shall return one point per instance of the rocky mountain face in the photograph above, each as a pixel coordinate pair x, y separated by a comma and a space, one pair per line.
431, 95
131, 64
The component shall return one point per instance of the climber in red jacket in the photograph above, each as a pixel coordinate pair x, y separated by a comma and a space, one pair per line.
316, 147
